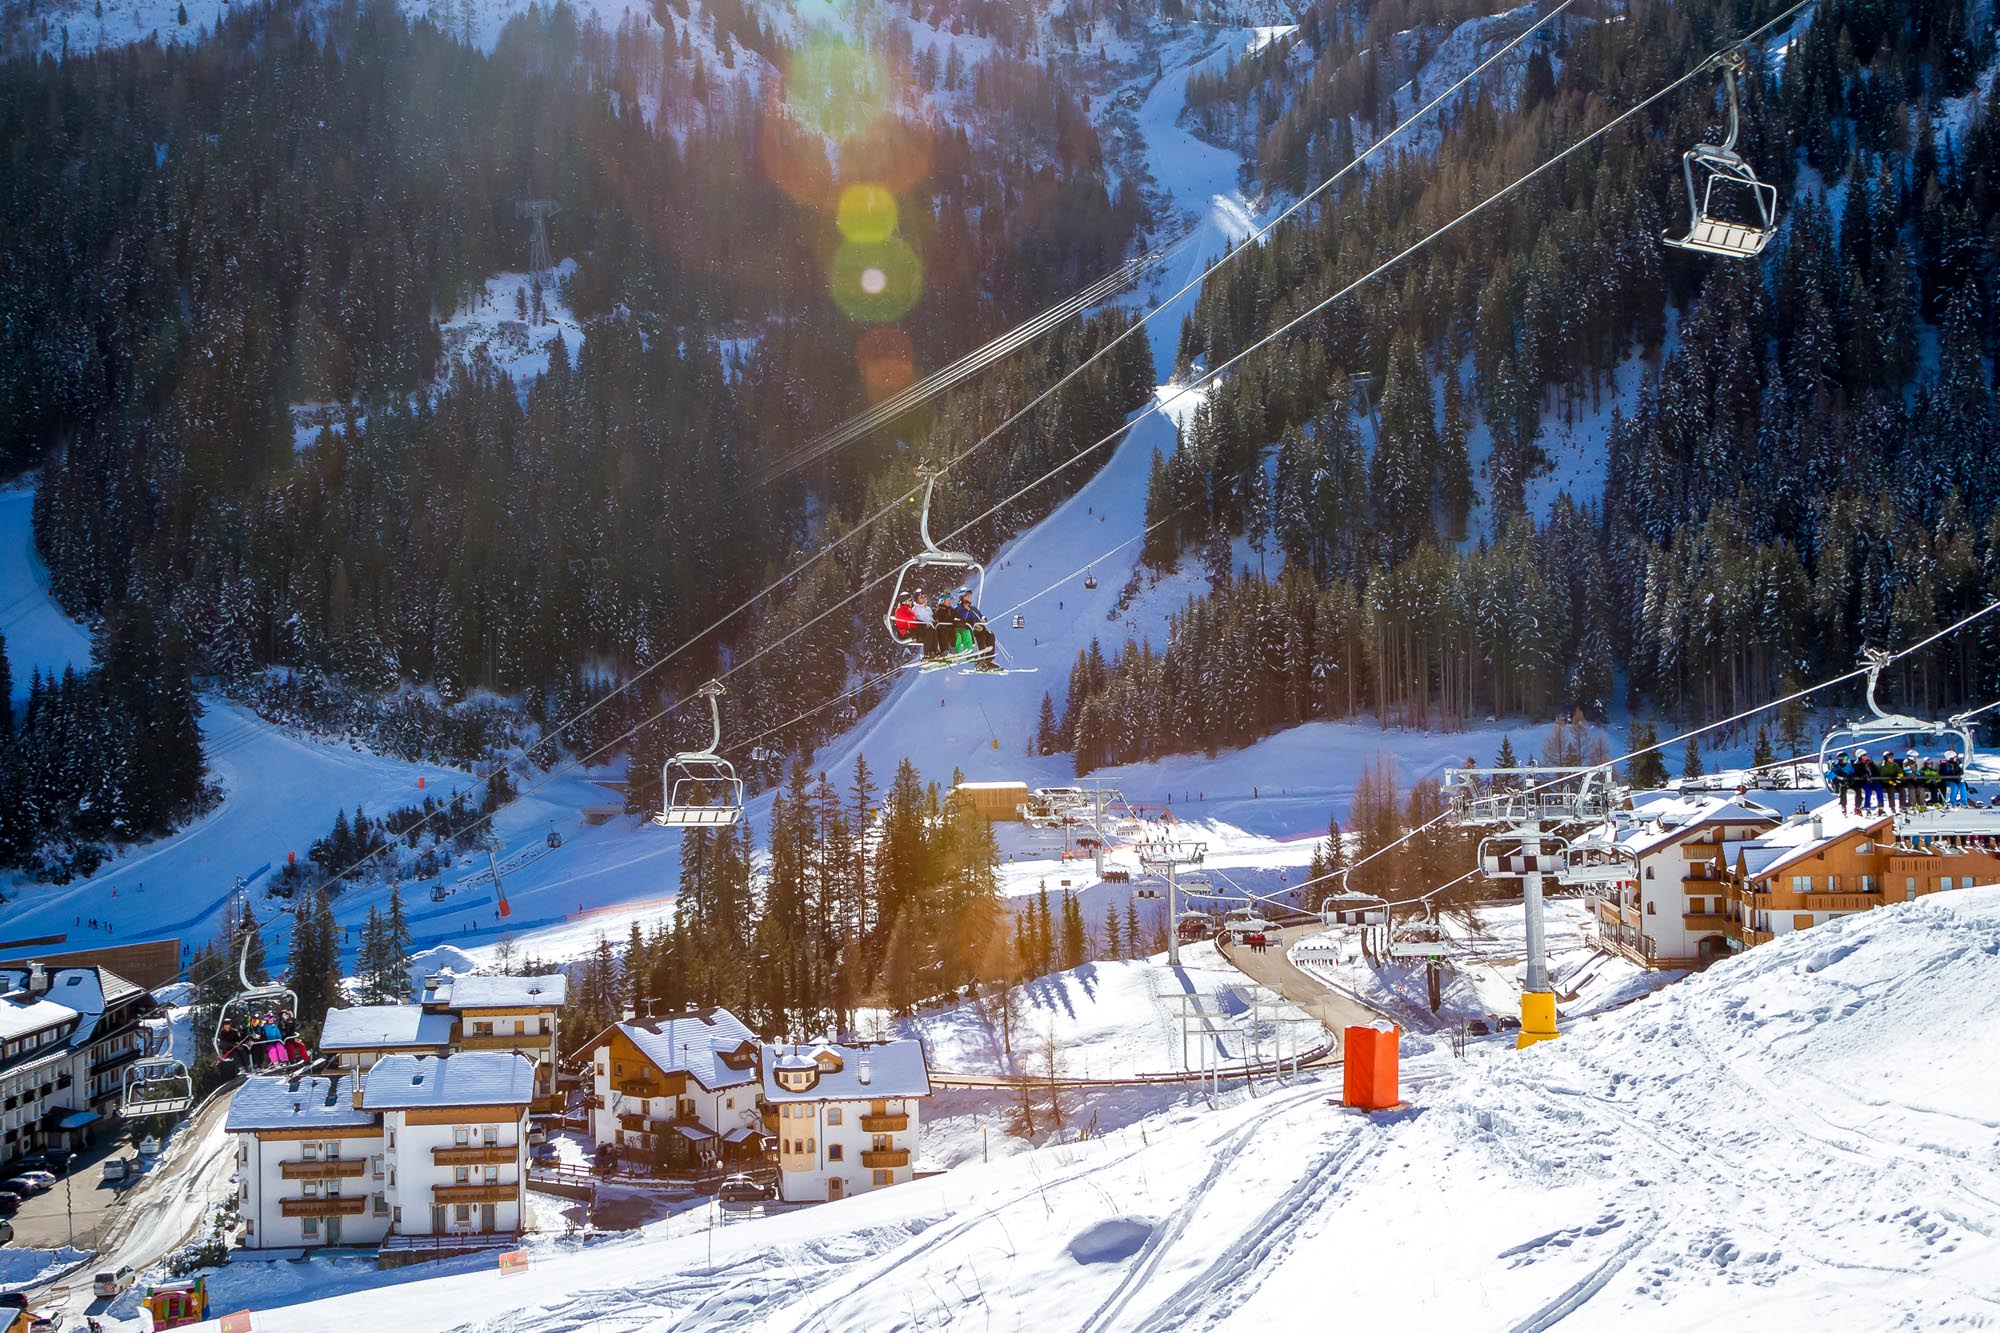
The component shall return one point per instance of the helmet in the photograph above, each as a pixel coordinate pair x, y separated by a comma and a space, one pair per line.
1911, 755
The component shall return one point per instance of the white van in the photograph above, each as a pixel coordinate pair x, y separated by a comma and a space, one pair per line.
118, 1170
112, 1281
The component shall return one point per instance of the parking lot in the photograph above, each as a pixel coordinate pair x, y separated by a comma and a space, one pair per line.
80, 1207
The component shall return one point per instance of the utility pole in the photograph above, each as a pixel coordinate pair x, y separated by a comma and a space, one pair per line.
537, 212
1167, 858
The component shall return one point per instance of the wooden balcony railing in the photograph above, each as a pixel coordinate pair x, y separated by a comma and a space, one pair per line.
338, 1205
884, 1124
478, 1154
330, 1168
505, 1041
474, 1193
889, 1157
1705, 920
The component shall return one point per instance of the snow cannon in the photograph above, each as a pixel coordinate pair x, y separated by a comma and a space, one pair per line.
1369, 1068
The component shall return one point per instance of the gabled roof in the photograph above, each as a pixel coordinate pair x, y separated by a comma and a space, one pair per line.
22, 1014
890, 1068
367, 1027
470, 1078
276, 1102
1794, 841
694, 1044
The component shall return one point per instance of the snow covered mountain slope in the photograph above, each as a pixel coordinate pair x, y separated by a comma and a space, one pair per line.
38, 633
1799, 1138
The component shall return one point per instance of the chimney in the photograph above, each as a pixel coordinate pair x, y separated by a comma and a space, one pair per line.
864, 1073
1819, 828
38, 979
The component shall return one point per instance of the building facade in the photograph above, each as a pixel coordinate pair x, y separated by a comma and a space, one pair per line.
679, 1092
846, 1118
1674, 913
67, 1035
505, 1013
431, 1145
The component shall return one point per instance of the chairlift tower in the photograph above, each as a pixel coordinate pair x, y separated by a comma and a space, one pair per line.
537, 212
1167, 858
1522, 801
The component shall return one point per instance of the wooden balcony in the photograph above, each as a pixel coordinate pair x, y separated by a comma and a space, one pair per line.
1705, 920
884, 1124
474, 1193
888, 1157
331, 1168
478, 1154
505, 1041
338, 1205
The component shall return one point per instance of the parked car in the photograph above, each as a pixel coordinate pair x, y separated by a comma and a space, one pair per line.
29, 1182
9, 1199
544, 1154
118, 1170
743, 1189
54, 1160
111, 1281
6, 1232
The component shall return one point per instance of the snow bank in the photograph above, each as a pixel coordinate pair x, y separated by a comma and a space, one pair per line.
21, 1269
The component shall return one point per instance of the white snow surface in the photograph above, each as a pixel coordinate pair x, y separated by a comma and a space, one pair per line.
38, 634
1804, 1131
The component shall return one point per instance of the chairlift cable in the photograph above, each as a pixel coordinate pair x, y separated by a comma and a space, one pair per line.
1608, 764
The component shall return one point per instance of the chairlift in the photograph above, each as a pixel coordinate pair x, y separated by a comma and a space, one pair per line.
156, 1083
958, 568
241, 1022
1020, 621
1089, 579
1892, 731
1597, 861
1725, 179
699, 788
555, 839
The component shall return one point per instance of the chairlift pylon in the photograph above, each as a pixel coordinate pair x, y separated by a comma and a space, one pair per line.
699, 788
1720, 166
156, 1083
1893, 731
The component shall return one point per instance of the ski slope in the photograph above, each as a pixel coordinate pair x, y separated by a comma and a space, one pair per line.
1799, 1138
38, 634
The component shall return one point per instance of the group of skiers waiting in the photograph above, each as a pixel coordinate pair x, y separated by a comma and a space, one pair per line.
952, 629
273, 1039
1914, 782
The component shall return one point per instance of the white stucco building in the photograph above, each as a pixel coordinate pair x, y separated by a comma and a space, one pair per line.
846, 1117
310, 1164
432, 1145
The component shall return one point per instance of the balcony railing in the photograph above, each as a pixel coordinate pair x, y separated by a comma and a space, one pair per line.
474, 1193
887, 1157
329, 1168
478, 1154
1705, 920
338, 1205
505, 1041
884, 1124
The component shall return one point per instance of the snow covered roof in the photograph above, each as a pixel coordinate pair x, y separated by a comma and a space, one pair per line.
991, 786
849, 1073
694, 1044
1791, 841
276, 1102
1660, 819
374, 1026
479, 992
470, 1078
21, 1015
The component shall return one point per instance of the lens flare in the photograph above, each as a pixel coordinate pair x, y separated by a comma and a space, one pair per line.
836, 89
878, 283
887, 361
867, 214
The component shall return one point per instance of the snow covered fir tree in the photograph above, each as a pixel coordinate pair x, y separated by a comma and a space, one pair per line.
1153, 632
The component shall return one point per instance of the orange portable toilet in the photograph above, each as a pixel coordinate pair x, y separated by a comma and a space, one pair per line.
1369, 1070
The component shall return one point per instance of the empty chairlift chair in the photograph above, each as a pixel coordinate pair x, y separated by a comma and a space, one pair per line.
1730, 212
699, 788
156, 1083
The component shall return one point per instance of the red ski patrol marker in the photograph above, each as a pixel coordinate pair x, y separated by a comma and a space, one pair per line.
513, 1261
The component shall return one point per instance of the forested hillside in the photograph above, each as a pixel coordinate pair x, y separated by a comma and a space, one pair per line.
196, 239
1808, 465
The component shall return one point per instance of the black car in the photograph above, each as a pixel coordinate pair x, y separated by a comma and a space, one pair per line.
55, 1161
9, 1201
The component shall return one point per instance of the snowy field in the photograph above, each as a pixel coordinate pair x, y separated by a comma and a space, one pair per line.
1108, 1020
1802, 1132
39, 635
